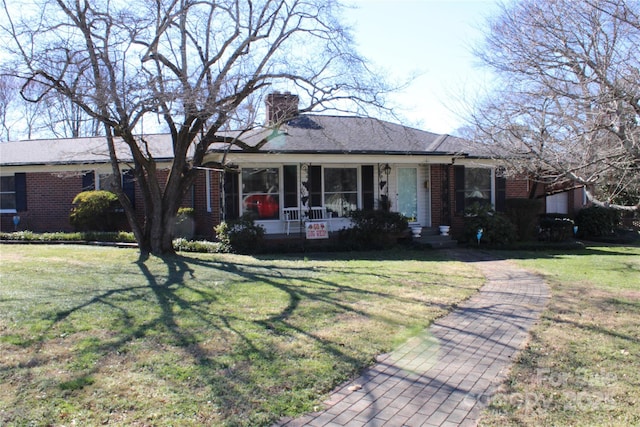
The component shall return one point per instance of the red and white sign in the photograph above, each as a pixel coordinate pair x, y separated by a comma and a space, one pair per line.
317, 230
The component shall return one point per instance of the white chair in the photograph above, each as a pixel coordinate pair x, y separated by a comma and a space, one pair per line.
290, 215
319, 213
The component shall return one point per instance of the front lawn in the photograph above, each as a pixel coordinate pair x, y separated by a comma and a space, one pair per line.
582, 365
92, 335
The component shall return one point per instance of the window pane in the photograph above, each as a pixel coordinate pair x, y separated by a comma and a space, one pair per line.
260, 192
477, 185
7, 184
107, 182
340, 190
7, 200
341, 204
340, 179
7, 192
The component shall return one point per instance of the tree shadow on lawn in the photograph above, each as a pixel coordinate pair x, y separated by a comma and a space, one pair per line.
546, 253
226, 374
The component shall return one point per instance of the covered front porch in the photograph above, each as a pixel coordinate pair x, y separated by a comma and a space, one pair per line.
309, 199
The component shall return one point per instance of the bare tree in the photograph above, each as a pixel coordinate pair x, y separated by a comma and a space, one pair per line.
195, 63
64, 119
7, 94
567, 107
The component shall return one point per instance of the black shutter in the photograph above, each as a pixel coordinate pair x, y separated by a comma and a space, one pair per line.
368, 198
129, 186
501, 194
20, 180
290, 185
458, 176
231, 196
89, 181
315, 191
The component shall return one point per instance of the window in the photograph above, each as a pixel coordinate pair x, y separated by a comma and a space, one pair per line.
7, 194
261, 192
474, 185
106, 182
88, 181
558, 203
477, 186
341, 190
13, 193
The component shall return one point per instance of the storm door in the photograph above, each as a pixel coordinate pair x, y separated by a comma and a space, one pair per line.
408, 193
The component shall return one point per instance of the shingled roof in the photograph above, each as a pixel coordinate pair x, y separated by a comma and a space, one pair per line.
306, 133
350, 135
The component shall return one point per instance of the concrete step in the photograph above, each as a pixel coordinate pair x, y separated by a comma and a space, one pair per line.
431, 236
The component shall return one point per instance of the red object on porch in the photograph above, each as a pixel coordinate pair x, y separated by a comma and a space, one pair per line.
264, 204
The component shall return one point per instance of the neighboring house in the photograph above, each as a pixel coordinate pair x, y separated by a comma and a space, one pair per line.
314, 166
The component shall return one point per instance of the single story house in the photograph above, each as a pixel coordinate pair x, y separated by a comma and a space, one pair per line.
313, 166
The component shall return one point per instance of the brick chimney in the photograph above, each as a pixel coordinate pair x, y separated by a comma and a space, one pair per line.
281, 107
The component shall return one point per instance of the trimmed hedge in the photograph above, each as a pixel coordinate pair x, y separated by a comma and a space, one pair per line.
595, 221
87, 236
373, 229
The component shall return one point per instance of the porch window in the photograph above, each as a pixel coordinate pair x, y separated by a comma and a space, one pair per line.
341, 190
260, 192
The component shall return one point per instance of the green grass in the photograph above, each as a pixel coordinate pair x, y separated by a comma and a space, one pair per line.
93, 335
582, 364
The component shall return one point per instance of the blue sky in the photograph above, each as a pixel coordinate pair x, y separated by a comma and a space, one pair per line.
430, 37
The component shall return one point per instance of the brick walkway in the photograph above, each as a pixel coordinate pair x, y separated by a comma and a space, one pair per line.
446, 375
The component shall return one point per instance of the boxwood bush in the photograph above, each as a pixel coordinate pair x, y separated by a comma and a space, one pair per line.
96, 210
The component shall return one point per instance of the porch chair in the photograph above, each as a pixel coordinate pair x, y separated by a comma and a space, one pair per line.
290, 215
319, 213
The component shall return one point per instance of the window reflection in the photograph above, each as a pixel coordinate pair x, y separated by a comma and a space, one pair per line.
260, 192
340, 190
477, 186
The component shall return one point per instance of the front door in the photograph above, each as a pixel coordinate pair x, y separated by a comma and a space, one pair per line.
408, 193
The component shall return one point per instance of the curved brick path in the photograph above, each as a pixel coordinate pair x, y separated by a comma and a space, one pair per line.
446, 375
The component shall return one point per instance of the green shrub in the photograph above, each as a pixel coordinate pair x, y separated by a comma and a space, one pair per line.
203, 246
373, 229
240, 236
523, 213
555, 228
96, 210
595, 221
379, 221
497, 229
86, 236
